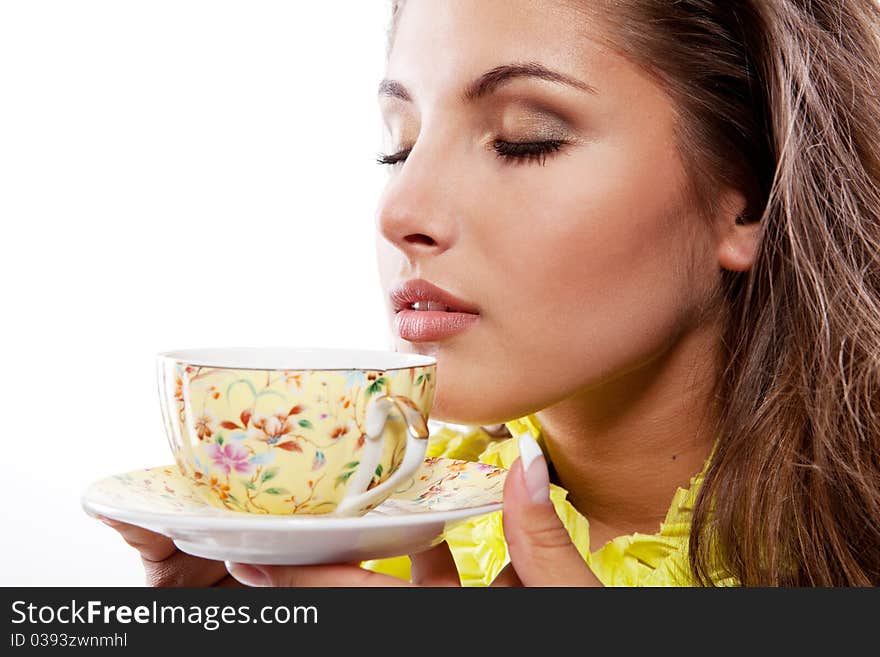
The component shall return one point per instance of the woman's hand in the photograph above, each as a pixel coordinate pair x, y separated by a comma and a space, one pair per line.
165, 565
541, 551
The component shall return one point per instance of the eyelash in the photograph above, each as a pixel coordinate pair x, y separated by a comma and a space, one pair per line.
511, 151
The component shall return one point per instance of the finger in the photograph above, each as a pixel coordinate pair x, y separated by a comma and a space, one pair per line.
228, 581
308, 576
181, 569
152, 546
434, 567
540, 548
165, 565
507, 577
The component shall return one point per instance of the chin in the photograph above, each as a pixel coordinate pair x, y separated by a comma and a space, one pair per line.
461, 405
461, 393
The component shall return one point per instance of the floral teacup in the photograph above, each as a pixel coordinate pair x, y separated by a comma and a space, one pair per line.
296, 431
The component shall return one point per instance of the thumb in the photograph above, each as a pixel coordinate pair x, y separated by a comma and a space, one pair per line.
540, 548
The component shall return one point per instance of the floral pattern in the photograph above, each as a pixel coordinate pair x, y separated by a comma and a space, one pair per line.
203, 427
231, 457
281, 441
444, 484
441, 484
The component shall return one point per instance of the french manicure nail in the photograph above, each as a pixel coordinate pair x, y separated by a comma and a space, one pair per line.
247, 574
534, 467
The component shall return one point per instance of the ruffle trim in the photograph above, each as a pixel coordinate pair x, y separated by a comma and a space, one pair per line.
631, 560
480, 551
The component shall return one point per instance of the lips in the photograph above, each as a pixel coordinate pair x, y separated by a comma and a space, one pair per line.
403, 296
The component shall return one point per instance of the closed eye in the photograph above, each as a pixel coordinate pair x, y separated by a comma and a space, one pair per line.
511, 151
527, 151
394, 158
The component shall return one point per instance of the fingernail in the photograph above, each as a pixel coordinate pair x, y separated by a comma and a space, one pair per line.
534, 469
247, 574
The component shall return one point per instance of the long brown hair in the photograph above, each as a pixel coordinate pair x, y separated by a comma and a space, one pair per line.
781, 99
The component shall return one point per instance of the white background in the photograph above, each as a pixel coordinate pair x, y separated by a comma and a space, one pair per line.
173, 173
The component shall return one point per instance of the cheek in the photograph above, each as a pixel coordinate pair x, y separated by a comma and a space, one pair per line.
595, 279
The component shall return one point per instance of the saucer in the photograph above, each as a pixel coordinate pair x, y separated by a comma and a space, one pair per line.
414, 518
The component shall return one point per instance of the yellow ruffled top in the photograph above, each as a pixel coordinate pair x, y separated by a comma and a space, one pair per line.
478, 545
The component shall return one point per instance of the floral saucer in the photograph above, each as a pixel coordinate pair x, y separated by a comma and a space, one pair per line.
413, 519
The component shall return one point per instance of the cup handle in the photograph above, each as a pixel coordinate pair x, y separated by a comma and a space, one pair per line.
357, 496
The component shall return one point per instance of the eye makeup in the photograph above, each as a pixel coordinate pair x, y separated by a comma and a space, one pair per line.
516, 131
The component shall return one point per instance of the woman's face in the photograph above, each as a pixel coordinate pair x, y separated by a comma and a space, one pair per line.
585, 261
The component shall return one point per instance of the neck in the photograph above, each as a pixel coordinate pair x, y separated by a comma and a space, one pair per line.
622, 448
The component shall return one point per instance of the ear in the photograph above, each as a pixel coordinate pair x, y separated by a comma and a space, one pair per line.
738, 236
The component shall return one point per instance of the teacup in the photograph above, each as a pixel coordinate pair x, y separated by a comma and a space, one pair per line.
296, 431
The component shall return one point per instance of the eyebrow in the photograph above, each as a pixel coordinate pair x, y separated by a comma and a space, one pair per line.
491, 80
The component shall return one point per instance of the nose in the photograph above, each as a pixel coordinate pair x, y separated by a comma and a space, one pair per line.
416, 212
